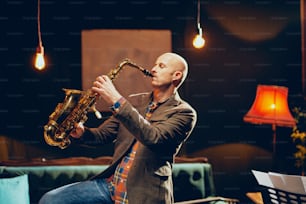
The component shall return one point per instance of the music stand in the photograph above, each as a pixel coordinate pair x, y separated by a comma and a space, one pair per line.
281, 188
273, 195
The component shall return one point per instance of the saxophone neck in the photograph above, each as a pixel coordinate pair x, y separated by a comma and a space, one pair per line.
132, 64
114, 72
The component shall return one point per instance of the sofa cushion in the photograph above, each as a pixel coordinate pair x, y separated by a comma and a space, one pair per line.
192, 181
15, 190
45, 178
192, 177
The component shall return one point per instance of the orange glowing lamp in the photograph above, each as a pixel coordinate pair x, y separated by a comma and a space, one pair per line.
271, 107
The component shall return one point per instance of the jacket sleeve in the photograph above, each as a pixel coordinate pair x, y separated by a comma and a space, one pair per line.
104, 134
167, 126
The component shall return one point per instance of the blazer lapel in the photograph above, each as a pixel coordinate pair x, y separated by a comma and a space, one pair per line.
173, 101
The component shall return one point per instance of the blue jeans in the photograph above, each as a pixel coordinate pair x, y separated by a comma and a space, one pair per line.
93, 191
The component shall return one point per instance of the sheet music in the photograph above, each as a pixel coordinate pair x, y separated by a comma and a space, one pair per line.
277, 180
294, 184
304, 182
288, 183
263, 178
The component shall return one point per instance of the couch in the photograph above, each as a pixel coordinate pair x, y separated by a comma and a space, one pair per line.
192, 177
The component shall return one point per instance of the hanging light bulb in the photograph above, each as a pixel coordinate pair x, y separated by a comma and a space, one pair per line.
39, 58
198, 41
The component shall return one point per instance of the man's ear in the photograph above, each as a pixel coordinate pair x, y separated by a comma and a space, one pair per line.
177, 77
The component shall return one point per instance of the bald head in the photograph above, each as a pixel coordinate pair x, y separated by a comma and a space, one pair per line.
178, 63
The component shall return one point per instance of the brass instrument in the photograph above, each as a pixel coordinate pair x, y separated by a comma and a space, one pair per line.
74, 109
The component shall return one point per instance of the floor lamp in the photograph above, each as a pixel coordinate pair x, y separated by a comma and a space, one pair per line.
271, 107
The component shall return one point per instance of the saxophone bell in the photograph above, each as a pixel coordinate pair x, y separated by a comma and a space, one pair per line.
53, 138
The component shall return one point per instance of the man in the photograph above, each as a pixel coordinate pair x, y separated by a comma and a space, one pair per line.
147, 130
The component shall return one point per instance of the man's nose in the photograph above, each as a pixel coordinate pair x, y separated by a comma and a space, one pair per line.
153, 69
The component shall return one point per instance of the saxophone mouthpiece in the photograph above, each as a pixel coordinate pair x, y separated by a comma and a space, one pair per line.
147, 73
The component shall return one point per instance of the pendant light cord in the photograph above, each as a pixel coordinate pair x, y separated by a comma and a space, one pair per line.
38, 23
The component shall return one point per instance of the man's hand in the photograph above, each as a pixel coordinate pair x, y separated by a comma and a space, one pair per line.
106, 89
78, 130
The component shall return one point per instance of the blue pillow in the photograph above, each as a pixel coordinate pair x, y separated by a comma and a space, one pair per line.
15, 190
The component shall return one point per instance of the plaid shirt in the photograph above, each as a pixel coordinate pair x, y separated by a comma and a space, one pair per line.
118, 180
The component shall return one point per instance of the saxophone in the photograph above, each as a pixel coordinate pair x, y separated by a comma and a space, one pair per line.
74, 109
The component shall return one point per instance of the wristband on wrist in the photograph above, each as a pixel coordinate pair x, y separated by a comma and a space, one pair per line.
115, 107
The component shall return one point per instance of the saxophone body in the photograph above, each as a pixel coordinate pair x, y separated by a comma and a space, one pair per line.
74, 109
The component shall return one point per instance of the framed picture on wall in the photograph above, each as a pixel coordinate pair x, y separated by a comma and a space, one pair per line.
103, 50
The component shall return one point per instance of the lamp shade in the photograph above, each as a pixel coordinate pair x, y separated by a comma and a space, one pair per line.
270, 107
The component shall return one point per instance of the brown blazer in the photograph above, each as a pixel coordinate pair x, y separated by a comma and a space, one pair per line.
150, 178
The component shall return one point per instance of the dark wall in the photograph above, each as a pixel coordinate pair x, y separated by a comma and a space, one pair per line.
247, 43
